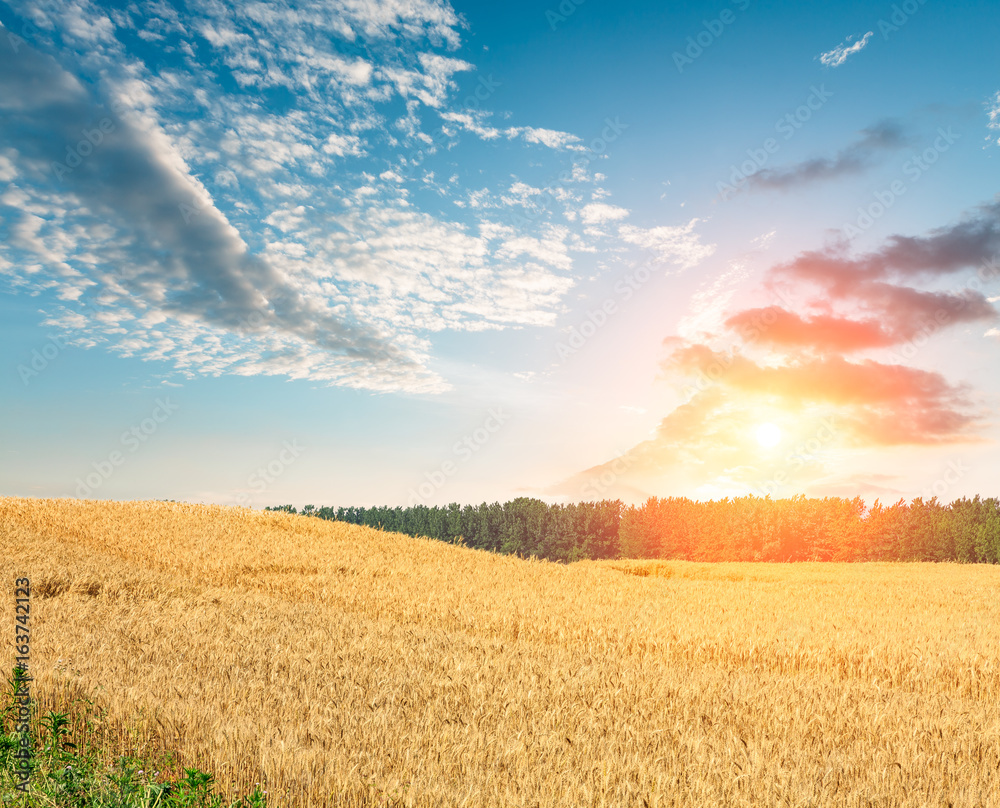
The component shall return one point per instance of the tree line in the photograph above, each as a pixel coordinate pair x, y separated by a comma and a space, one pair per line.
746, 528
524, 526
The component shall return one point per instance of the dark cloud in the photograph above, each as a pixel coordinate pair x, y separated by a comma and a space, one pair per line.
181, 255
974, 242
866, 302
906, 312
875, 143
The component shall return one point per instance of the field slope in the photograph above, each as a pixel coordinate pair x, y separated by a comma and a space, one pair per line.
342, 666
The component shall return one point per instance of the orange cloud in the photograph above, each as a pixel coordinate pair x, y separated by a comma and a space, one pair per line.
903, 314
708, 441
777, 326
882, 404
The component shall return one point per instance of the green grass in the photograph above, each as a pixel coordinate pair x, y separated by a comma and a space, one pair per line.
67, 769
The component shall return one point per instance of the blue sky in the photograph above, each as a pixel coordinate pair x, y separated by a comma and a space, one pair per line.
385, 252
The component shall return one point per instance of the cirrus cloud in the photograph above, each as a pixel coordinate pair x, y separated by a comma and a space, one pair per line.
840, 54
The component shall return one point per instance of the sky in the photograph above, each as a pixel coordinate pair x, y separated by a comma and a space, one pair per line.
410, 252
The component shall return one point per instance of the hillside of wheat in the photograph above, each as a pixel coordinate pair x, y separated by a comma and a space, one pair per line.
345, 666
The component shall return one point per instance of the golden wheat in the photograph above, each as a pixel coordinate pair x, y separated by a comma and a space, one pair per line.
342, 665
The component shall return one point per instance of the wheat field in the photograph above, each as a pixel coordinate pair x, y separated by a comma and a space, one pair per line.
344, 666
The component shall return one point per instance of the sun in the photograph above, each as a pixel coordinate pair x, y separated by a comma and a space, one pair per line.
768, 435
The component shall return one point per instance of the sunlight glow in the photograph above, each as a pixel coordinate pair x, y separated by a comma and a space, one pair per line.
768, 435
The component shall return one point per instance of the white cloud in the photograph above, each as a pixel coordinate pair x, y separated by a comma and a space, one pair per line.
552, 250
600, 212
677, 245
552, 138
287, 220
707, 310
993, 110
340, 145
86, 27
472, 123
345, 276
178, 252
763, 241
8, 169
837, 56
523, 195
430, 83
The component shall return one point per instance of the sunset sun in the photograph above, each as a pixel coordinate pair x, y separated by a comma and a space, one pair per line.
768, 435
